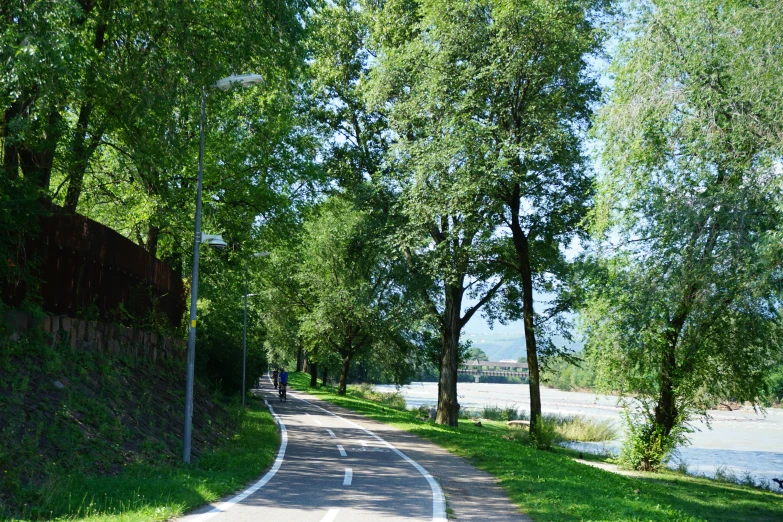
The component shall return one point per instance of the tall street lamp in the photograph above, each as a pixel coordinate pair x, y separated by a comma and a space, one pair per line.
216, 241
244, 327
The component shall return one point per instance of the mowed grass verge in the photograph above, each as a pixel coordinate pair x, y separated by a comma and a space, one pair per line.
549, 485
151, 492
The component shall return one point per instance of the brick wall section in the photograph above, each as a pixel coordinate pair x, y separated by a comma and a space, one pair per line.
104, 337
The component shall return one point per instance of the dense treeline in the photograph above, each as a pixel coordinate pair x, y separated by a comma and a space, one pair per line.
410, 164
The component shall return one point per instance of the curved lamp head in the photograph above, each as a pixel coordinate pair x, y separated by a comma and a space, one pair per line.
245, 80
215, 241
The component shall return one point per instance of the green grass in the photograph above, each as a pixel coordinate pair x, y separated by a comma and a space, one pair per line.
147, 492
549, 485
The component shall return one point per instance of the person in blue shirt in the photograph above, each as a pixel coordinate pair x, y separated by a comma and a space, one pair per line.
283, 383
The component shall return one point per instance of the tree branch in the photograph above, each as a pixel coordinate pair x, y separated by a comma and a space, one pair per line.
489, 295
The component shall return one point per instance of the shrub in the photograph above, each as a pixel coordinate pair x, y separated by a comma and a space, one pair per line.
646, 447
545, 434
581, 429
491, 413
366, 391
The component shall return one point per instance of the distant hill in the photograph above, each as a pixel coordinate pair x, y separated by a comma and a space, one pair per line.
504, 347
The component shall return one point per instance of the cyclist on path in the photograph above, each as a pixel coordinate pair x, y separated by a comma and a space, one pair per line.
283, 380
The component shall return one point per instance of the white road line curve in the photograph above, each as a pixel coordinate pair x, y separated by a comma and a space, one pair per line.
348, 477
438, 500
225, 506
330, 515
331, 433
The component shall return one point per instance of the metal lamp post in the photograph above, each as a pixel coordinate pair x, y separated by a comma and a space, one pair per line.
244, 327
217, 241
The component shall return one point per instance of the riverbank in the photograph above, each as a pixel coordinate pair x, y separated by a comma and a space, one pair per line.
550, 485
741, 443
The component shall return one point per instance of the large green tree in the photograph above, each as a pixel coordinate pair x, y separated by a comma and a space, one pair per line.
684, 307
101, 107
349, 270
489, 100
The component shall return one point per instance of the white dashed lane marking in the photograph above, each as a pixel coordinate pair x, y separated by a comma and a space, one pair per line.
315, 419
330, 515
342, 451
348, 477
331, 433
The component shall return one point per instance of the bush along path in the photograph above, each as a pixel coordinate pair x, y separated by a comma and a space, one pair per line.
550, 485
88, 436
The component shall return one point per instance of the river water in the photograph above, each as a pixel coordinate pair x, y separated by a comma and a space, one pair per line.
738, 442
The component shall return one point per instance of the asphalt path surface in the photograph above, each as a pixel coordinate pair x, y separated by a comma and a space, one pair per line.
333, 466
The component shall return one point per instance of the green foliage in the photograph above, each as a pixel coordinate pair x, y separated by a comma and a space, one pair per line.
219, 344
544, 435
647, 445
113, 97
774, 386
366, 391
476, 354
683, 296
564, 375
349, 273
582, 429
488, 100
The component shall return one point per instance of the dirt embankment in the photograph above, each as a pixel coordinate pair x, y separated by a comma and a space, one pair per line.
64, 412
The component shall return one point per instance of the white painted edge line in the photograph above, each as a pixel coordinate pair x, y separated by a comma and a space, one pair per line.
438, 500
342, 451
330, 515
225, 506
330, 432
348, 477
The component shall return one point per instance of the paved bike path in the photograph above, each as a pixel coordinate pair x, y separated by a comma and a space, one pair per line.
338, 466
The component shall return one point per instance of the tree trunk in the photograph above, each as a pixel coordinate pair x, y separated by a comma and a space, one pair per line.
36, 159
522, 249
153, 233
346, 366
300, 358
10, 147
530, 345
313, 374
448, 407
666, 409
80, 150
81, 157
323, 377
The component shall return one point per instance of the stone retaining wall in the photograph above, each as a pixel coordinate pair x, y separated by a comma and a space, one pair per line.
104, 337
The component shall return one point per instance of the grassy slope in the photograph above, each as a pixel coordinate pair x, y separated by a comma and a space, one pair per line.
107, 446
149, 491
551, 486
